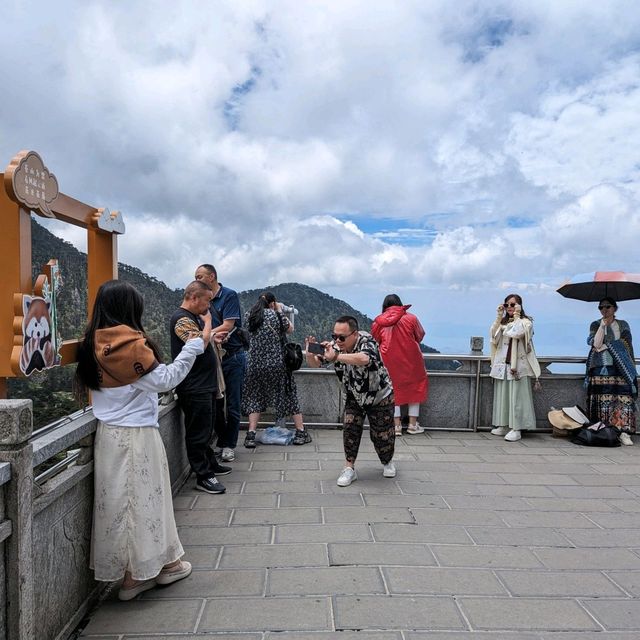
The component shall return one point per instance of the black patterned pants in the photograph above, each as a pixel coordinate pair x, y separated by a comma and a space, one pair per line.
381, 428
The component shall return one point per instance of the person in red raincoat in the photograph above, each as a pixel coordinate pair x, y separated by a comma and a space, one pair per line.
399, 334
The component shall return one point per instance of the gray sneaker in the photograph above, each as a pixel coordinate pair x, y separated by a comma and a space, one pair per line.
228, 455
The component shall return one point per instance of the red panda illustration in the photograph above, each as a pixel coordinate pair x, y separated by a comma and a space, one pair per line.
37, 351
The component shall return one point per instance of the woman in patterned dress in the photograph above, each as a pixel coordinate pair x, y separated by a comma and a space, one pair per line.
611, 374
267, 383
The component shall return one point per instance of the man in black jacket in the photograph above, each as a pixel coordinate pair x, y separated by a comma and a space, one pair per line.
197, 392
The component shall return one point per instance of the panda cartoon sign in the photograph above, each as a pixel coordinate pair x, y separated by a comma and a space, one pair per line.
40, 339
38, 347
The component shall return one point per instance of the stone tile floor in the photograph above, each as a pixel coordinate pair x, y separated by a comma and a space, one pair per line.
476, 538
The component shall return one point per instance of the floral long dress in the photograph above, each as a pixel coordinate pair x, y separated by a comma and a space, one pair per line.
267, 383
611, 376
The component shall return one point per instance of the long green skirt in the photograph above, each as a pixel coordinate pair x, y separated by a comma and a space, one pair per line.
513, 404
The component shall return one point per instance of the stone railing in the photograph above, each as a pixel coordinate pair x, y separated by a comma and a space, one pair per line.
459, 400
46, 586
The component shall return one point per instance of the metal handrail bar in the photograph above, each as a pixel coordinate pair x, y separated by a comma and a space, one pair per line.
56, 468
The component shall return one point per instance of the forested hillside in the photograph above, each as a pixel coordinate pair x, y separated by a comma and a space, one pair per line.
51, 391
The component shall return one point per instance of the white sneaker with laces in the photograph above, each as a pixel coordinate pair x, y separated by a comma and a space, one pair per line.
513, 435
500, 431
228, 455
389, 470
347, 476
414, 429
625, 438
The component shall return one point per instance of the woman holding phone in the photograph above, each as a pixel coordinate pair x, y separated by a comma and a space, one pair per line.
267, 383
513, 364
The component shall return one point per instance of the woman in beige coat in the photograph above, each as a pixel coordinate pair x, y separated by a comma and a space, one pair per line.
513, 364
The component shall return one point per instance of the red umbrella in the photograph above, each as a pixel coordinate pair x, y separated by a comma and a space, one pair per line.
592, 287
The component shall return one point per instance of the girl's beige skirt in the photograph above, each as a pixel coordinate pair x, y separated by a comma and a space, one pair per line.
133, 524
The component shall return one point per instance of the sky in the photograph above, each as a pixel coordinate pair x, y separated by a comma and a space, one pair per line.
449, 152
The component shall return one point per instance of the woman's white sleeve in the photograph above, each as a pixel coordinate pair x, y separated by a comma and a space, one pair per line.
166, 376
516, 329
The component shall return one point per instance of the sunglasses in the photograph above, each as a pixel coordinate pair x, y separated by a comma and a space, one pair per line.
511, 305
605, 306
335, 336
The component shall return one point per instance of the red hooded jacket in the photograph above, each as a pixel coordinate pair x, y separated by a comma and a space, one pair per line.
399, 334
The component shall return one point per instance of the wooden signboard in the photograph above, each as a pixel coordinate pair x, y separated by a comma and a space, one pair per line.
29, 336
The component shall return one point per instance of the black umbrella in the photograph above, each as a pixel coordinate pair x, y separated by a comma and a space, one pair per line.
594, 286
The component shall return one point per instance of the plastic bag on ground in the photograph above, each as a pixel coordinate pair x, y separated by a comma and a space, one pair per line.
275, 435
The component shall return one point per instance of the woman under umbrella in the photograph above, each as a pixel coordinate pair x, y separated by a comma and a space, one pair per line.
611, 374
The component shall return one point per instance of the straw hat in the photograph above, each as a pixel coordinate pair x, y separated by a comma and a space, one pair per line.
567, 418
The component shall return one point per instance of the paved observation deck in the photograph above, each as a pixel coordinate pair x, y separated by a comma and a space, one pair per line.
476, 538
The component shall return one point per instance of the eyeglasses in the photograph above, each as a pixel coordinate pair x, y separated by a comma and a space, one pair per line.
511, 305
605, 306
335, 336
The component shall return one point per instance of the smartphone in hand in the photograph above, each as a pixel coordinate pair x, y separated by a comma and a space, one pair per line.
316, 348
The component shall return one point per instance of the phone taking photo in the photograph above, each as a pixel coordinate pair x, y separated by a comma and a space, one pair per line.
315, 348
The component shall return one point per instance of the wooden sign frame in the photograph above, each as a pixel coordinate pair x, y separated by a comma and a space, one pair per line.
28, 186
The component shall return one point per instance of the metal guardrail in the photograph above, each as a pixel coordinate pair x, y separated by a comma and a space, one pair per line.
63, 433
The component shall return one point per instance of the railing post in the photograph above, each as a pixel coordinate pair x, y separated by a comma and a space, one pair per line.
16, 426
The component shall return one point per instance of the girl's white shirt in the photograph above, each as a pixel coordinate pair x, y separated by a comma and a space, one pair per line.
136, 405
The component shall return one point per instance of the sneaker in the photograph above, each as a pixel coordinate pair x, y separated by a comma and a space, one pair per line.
136, 590
389, 470
513, 435
169, 576
416, 428
221, 470
625, 438
250, 440
302, 437
210, 485
217, 451
228, 455
500, 431
347, 476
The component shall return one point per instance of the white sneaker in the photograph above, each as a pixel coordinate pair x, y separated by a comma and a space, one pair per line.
513, 435
416, 428
347, 476
389, 470
625, 438
217, 451
500, 431
228, 455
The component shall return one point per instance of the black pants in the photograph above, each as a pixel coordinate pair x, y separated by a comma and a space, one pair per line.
199, 413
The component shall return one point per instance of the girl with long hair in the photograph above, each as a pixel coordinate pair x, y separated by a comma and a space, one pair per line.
134, 536
513, 364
